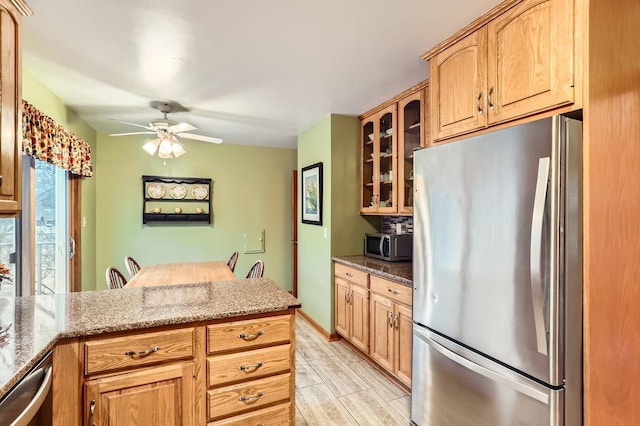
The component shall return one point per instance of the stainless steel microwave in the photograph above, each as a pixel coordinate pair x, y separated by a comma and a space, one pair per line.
389, 247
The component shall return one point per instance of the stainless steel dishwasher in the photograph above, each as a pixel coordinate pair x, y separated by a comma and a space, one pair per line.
28, 403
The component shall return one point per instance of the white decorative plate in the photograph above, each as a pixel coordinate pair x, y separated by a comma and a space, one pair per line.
200, 192
156, 190
178, 192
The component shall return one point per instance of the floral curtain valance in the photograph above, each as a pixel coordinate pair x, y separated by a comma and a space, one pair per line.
44, 139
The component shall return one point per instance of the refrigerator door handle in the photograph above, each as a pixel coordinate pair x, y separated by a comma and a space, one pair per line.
491, 375
537, 228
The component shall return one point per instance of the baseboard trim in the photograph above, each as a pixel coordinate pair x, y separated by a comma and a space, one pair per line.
331, 337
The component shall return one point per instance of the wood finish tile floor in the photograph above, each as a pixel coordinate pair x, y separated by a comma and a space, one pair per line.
335, 386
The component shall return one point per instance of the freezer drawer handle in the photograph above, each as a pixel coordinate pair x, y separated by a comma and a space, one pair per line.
517, 386
537, 228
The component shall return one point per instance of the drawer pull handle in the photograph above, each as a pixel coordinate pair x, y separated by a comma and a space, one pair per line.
260, 424
395, 322
142, 354
253, 367
251, 398
250, 336
396, 292
349, 274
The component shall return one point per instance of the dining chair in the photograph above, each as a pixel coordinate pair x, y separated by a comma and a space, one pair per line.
232, 261
133, 267
256, 270
115, 278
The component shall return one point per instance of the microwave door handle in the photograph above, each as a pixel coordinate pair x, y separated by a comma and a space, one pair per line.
382, 246
537, 228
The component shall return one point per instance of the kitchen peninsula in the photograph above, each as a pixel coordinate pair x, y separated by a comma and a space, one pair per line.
179, 348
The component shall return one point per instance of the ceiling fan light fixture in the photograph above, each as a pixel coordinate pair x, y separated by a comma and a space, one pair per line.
177, 150
165, 148
151, 146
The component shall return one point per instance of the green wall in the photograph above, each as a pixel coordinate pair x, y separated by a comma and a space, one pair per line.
42, 98
251, 193
314, 250
334, 141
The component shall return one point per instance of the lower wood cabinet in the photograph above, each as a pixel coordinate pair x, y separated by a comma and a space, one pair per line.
219, 372
352, 313
391, 334
251, 371
376, 318
152, 396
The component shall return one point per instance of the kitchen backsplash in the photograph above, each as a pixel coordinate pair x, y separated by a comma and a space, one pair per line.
389, 224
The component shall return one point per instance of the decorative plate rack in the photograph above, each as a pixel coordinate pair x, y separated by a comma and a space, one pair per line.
176, 199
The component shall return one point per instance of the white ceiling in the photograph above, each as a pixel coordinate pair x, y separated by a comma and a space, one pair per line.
253, 72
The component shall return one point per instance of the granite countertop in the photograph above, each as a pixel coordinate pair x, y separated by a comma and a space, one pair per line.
38, 322
401, 272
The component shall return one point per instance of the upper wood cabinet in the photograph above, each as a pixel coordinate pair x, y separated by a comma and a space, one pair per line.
530, 52
458, 87
379, 157
515, 62
389, 135
11, 12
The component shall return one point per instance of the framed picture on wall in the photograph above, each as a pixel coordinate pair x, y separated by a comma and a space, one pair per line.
312, 194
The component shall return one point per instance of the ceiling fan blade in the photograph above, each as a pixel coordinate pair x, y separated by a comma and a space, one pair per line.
199, 137
181, 127
132, 133
131, 124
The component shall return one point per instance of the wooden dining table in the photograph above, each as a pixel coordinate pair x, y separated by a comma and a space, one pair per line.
181, 273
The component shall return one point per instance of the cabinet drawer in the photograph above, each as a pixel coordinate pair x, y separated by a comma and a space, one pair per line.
394, 291
138, 349
228, 400
249, 365
351, 274
272, 416
242, 335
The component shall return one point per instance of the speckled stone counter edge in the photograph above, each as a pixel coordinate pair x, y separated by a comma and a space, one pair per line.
287, 302
350, 261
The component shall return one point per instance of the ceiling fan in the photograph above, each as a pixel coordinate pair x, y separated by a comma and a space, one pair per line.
168, 132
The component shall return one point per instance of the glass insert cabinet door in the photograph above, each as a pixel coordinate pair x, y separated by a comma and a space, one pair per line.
410, 133
379, 160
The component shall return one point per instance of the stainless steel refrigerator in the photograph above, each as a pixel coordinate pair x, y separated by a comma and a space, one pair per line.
497, 272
